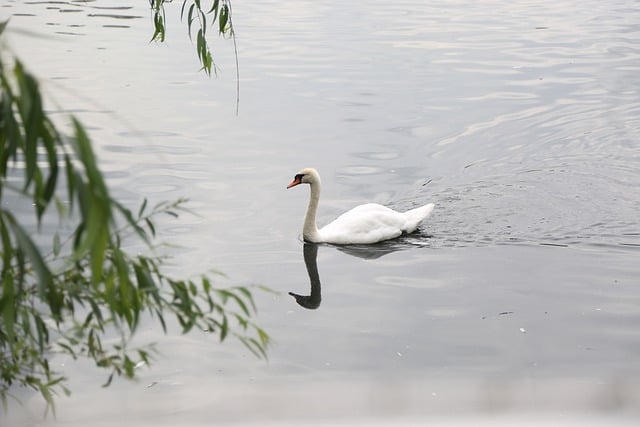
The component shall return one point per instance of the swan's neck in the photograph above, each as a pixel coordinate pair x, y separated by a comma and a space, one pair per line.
310, 230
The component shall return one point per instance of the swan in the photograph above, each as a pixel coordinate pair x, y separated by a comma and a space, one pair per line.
364, 224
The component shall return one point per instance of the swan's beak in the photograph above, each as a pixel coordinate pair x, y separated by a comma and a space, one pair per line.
297, 180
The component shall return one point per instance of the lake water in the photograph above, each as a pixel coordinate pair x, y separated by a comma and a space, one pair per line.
517, 302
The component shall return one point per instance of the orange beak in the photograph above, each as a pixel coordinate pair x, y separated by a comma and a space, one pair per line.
297, 180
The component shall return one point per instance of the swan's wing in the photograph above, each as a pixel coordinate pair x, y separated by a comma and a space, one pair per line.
372, 223
363, 224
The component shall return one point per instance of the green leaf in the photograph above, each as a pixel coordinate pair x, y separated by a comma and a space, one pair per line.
161, 319
49, 137
3, 25
7, 309
142, 207
214, 9
200, 43
190, 18
108, 382
243, 306
129, 367
184, 3
254, 346
203, 23
224, 328
71, 188
264, 337
95, 205
224, 18
151, 227
68, 349
131, 221
43, 333
159, 29
247, 295
8, 253
56, 244
46, 286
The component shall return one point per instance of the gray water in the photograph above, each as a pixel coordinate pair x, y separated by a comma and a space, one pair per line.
518, 300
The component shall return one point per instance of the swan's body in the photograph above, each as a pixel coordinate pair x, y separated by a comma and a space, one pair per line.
364, 224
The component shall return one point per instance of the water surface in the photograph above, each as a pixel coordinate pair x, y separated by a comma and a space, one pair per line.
519, 120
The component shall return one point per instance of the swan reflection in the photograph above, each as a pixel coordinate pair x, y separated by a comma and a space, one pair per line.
417, 239
310, 253
311, 301
368, 251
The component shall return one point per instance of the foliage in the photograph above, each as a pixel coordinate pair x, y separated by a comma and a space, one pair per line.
219, 13
85, 295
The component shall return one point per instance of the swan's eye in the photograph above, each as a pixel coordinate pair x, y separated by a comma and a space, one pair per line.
299, 177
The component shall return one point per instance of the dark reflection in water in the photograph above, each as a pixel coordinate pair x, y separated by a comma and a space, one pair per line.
311, 301
310, 253
413, 240
112, 15
107, 12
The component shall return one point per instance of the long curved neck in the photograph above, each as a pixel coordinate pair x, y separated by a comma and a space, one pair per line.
310, 229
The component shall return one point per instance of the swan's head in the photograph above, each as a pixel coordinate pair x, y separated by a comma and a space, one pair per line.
305, 176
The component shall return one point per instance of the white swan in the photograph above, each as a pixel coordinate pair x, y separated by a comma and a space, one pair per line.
363, 224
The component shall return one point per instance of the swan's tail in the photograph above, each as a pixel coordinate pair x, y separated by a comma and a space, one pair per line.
415, 216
